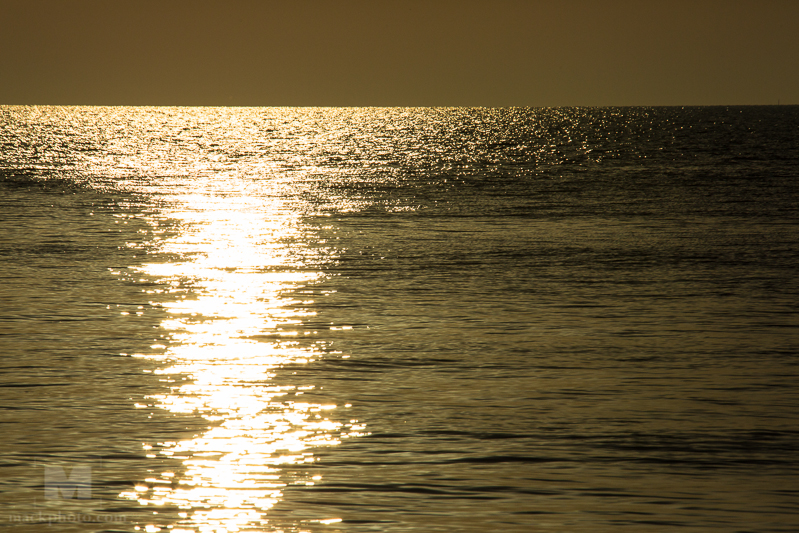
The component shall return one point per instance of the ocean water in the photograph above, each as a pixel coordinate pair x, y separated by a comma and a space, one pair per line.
400, 320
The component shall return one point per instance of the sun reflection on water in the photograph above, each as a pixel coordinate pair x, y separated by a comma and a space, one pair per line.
228, 340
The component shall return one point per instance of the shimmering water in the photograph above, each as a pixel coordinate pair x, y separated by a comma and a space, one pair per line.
355, 320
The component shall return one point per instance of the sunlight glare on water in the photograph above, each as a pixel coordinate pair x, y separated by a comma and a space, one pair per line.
226, 342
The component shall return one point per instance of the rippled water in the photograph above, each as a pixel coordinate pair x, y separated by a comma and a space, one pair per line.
400, 319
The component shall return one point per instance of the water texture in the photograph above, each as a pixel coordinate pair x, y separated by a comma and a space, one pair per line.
353, 320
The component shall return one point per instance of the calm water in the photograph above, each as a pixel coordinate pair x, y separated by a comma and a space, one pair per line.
357, 320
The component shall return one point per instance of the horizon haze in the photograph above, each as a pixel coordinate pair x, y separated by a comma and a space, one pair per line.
413, 53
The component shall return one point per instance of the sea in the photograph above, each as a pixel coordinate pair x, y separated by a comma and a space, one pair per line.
399, 319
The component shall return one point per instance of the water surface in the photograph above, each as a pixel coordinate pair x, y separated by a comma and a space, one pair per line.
401, 319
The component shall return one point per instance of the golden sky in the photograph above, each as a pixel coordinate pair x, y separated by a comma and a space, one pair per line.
399, 53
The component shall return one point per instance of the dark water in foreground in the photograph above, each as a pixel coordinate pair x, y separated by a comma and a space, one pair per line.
354, 320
